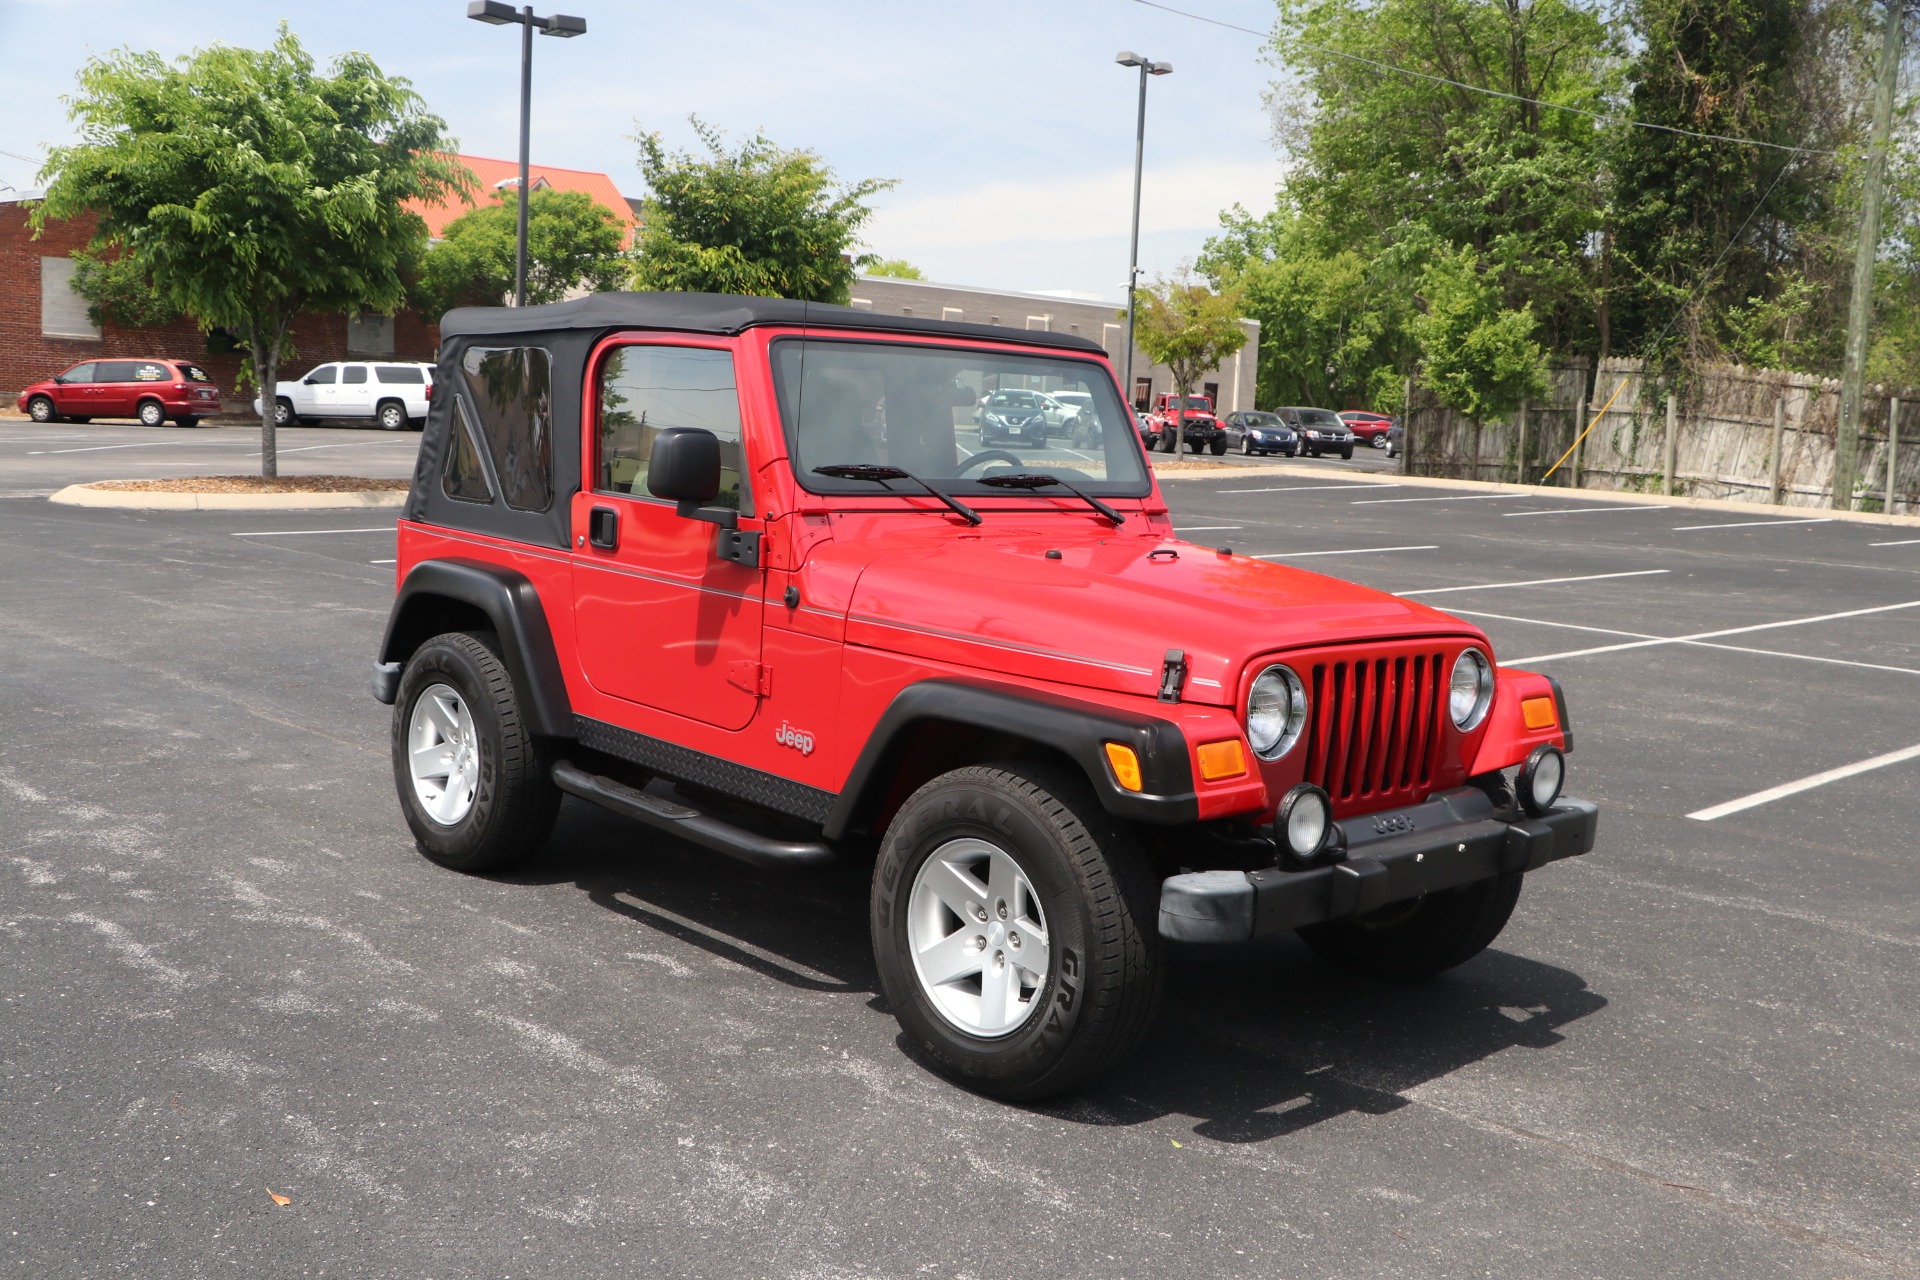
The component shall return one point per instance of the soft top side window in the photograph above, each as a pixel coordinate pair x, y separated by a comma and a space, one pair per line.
509, 392
645, 389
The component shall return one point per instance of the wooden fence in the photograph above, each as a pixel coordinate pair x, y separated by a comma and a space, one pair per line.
1757, 435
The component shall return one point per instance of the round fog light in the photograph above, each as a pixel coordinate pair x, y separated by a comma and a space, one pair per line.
1303, 822
1541, 778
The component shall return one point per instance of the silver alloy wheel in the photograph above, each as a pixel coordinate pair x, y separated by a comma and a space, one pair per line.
443, 754
282, 412
151, 414
978, 937
40, 409
392, 417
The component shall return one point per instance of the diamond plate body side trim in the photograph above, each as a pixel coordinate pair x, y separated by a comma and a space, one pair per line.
767, 790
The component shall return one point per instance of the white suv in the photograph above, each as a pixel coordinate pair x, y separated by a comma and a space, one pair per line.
391, 393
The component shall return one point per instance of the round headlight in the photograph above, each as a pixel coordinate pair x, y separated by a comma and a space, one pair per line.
1470, 691
1276, 712
1541, 778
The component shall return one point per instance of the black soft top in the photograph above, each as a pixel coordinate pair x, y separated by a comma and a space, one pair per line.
567, 332
721, 313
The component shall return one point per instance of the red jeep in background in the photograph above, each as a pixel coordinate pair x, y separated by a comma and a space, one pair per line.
1200, 429
151, 390
725, 566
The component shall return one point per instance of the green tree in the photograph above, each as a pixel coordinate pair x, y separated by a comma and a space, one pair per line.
1477, 355
1182, 323
898, 268
119, 289
573, 242
251, 188
760, 220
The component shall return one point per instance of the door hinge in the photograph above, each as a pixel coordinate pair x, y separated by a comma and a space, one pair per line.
755, 677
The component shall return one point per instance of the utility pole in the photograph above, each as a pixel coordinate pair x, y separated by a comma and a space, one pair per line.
1148, 67
1846, 441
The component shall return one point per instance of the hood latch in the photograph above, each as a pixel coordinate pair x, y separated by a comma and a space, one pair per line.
1173, 675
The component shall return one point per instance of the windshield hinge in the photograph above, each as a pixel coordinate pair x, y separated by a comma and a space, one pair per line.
1173, 675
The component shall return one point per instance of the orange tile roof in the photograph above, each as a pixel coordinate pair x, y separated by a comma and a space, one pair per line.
489, 172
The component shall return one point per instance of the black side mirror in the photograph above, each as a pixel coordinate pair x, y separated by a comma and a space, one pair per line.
685, 466
685, 469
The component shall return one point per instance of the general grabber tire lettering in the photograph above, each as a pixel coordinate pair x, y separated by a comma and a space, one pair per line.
1080, 885
474, 781
1408, 942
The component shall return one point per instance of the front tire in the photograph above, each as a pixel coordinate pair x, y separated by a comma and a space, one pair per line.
1346, 452
283, 415
1014, 930
473, 780
1218, 447
40, 409
1407, 942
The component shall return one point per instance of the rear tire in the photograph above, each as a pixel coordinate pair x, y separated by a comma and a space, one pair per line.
151, 413
474, 781
187, 420
1033, 840
40, 409
1407, 942
391, 415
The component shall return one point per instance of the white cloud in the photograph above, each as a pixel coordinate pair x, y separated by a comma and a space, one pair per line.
1005, 212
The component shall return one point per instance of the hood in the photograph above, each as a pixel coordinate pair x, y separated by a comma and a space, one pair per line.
1105, 613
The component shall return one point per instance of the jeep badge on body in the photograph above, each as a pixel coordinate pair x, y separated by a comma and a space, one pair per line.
1067, 733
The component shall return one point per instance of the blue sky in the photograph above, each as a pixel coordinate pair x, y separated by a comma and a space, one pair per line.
1006, 122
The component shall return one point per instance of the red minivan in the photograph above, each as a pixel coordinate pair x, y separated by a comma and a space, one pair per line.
150, 390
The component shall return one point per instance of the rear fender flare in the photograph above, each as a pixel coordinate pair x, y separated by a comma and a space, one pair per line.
444, 595
1076, 730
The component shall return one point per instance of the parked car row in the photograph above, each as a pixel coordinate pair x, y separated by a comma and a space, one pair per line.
156, 390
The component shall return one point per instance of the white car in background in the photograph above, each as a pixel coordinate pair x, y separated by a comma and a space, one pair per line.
392, 393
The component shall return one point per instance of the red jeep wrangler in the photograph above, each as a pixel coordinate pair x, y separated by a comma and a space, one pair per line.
1200, 430
729, 566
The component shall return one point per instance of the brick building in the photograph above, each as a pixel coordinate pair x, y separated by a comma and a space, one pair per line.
44, 327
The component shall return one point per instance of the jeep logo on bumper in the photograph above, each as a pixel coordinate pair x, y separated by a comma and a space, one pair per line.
788, 736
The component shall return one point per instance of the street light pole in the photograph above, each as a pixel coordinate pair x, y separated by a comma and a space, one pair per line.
1127, 58
496, 13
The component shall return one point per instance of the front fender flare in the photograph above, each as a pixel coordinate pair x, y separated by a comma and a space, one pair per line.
1078, 730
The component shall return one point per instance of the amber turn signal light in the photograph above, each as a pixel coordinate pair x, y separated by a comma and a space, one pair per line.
1126, 765
1539, 713
1222, 760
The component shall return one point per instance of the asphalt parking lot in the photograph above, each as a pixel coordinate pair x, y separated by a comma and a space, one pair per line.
225, 969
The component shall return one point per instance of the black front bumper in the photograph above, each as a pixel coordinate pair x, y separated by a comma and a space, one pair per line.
1455, 838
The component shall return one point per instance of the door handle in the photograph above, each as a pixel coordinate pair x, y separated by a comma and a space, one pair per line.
603, 528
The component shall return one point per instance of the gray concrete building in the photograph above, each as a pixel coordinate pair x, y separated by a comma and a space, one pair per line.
1230, 386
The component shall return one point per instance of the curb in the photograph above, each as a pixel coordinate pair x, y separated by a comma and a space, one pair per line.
85, 495
1547, 491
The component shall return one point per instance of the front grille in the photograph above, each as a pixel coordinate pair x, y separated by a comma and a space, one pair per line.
1373, 730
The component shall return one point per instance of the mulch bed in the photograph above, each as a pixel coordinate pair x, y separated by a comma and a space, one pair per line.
255, 484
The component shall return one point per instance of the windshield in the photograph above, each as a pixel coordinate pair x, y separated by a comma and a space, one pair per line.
1194, 402
1262, 420
1318, 418
925, 410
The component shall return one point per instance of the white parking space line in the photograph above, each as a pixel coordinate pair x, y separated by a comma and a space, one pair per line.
1747, 524
1533, 582
1204, 528
1808, 783
301, 533
1345, 551
383, 562
1452, 497
1348, 485
1583, 511
100, 448
1904, 542
1708, 635
1681, 640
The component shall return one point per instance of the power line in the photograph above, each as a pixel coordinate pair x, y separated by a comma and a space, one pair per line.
1491, 93
14, 155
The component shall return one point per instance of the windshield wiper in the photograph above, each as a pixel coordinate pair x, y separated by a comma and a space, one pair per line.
881, 474
1037, 480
